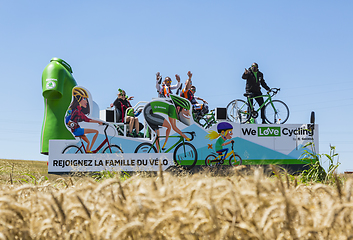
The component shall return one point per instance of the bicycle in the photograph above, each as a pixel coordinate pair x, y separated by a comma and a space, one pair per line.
275, 111
234, 159
111, 148
184, 151
206, 120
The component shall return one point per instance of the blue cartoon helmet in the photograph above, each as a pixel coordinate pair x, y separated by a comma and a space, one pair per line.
222, 126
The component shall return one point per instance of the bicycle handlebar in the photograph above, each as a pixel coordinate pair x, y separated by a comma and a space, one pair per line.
274, 90
232, 141
106, 127
193, 134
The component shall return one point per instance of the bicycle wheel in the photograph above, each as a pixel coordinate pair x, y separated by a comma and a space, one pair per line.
185, 153
206, 123
202, 122
146, 148
211, 160
235, 162
72, 149
210, 123
278, 114
238, 111
113, 149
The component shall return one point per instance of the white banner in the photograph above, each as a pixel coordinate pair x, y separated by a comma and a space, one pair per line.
59, 162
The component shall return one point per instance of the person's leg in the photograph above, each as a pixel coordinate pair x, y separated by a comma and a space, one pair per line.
260, 101
137, 125
166, 125
130, 120
84, 138
157, 142
89, 146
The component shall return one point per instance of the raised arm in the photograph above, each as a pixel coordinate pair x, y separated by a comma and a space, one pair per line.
189, 75
158, 81
176, 86
245, 74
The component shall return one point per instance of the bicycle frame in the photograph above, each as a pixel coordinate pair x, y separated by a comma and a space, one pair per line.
269, 98
219, 157
181, 139
207, 120
228, 154
101, 145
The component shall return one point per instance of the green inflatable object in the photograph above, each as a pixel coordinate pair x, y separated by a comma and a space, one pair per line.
57, 84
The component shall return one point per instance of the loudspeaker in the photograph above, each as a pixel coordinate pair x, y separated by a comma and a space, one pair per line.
110, 115
107, 115
221, 113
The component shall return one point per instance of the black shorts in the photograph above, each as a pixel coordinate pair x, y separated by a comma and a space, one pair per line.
153, 120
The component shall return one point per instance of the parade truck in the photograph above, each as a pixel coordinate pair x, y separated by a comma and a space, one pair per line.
77, 136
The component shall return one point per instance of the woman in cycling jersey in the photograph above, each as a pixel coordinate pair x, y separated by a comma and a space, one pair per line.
77, 112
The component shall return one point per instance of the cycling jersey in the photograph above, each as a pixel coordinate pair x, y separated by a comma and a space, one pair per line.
164, 107
153, 110
57, 85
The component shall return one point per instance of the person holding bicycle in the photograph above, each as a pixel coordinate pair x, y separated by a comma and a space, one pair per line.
224, 133
254, 78
176, 108
76, 113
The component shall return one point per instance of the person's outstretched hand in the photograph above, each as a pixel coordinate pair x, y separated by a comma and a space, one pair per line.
177, 77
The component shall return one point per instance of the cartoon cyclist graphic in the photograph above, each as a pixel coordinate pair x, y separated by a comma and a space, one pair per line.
224, 133
77, 112
176, 108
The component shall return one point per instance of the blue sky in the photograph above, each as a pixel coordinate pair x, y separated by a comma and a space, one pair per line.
302, 47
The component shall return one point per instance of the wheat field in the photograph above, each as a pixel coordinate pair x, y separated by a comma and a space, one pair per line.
168, 206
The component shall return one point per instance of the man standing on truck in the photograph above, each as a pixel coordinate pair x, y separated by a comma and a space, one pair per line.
253, 79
